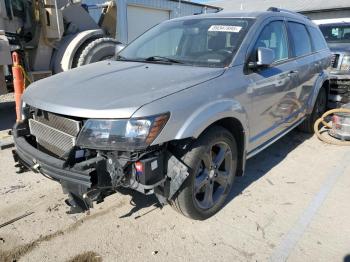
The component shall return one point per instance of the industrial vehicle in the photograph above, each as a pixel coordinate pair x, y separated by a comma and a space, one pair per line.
52, 36
337, 35
173, 118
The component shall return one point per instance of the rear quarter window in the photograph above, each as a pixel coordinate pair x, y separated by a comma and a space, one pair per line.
318, 40
300, 39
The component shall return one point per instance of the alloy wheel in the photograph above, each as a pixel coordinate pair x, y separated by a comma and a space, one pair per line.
213, 176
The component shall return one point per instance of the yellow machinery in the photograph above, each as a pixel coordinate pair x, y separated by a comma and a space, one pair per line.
52, 36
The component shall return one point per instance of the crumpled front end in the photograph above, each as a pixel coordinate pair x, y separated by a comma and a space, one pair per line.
339, 80
47, 143
339, 90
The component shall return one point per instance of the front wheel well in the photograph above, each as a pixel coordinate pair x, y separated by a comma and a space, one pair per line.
236, 128
233, 125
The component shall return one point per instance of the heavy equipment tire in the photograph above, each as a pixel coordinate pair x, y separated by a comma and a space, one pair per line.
98, 50
81, 49
320, 107
212, 162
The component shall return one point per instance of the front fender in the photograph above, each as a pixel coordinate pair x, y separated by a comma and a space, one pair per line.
209, 114
322, 77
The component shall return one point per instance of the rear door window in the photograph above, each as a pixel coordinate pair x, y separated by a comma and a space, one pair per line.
318, 40
300, 39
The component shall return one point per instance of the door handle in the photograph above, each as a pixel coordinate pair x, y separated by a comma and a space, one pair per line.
292, 72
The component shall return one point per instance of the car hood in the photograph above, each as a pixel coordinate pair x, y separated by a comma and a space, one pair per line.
113, 89
339, 47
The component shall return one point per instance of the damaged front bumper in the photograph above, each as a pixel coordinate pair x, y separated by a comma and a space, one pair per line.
89, 180
339, 91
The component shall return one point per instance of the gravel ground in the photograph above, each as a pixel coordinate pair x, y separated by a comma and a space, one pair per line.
293, 204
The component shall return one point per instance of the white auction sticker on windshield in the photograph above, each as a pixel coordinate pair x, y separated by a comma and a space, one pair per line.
225, 28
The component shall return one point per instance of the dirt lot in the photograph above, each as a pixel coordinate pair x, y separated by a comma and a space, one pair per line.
293, 204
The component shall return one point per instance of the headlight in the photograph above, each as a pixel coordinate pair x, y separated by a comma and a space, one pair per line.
121, 134
345, 64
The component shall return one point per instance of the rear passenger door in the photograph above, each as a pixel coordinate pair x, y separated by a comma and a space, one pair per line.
320, 47
272, 88
307, 61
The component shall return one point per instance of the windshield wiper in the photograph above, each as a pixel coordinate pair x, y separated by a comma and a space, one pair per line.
122, 58
119, 57
163, 59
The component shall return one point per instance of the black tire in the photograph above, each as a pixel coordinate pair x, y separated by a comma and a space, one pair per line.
320, 107
81, 49
193, 198
97, 50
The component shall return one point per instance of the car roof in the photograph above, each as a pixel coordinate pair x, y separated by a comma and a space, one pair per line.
255, 15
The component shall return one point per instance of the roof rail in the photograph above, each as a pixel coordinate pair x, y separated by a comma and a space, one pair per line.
276, 9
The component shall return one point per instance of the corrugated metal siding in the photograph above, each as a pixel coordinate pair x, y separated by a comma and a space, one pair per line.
175, 8
184, 10
328, 14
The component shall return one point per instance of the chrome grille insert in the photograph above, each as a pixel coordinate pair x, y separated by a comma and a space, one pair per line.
335, 60
51, 139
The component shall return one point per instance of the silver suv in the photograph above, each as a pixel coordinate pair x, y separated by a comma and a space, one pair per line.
179, 112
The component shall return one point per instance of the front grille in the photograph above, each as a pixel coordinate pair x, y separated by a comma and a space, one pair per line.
54, 133
335, 60
63, 124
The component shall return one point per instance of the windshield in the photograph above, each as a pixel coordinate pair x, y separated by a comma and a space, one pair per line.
210, 42
336, 33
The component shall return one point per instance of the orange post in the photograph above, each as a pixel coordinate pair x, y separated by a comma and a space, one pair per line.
18, 84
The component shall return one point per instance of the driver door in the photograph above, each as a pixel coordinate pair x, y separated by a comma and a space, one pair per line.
272, 88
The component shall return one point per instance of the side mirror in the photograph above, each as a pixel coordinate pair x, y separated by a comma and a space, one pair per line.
266, 56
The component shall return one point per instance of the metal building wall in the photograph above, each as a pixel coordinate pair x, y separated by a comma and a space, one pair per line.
331, 14
175, 8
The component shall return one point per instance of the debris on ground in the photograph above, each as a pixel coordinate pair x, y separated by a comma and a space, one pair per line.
86, 257
14, 188
16, 219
